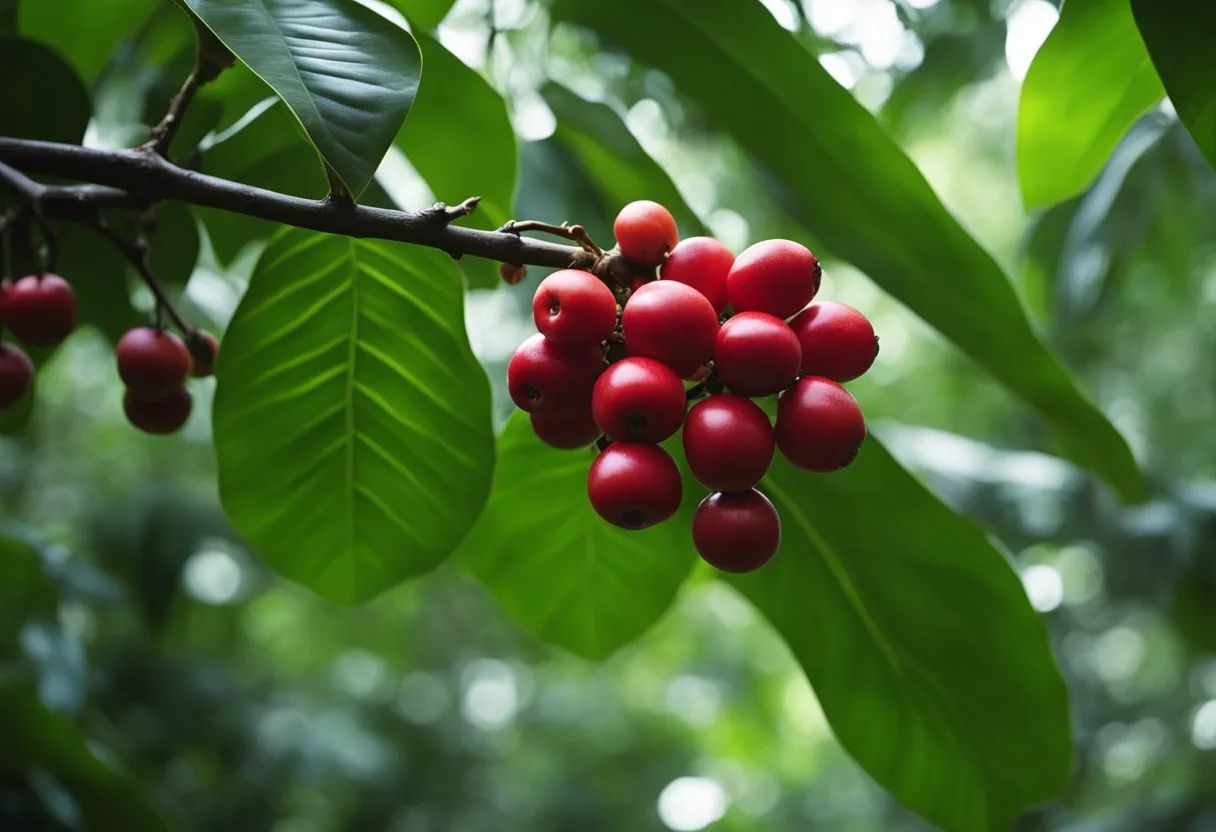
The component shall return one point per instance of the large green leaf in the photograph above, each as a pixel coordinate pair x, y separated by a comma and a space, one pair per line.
460, 140
352, 422
34, 75
86, 32
1179, 37
1091, 79
347, 73
556, 567
931, 667
612, 159
424, 14
859, 194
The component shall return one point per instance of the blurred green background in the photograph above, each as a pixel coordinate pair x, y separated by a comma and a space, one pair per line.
236, 701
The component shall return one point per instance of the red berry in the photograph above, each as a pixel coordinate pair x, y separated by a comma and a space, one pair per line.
16, 372
819, 425
838, 342
158, 416
728, 441
756, 354
638, 282
702, 263
736, 532
566, 429
645, 231
574, 307
203, 347
152, 362
543, 375
639, 400
672, 323
634, 486
774, 276
39, 309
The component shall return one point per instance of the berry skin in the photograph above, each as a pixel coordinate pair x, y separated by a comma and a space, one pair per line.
543, 375
838, 342
574, 308
756, 354
639, 400
16, 372
203, 347
736, 532
774, 276
672, 323
820, 426
645, 231
565, 429
39, 309
702, 263
728, 441
634, 486
152, 362
159, 416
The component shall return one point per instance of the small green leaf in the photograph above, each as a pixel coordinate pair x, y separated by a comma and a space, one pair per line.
352, 422
932, 668
460, 140
859, 194
424, 15
1088, 83
85, 32
556, 567
33, 75
347, 73
1179, 36
612, 159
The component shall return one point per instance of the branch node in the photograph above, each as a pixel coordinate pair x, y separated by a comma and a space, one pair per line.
444, 214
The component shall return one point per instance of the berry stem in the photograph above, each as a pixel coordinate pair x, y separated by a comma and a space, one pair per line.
137, 253
30, 193
569, 232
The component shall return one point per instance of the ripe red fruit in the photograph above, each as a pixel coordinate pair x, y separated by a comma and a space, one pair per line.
639, 400
838, 342
645, 231
39, 309
702, 263
16, 372
672, 323
774, 276
756, 354
566, 429
158, 416
820, 426
634, 486
152, 362
203, 347
728, 441
543, 375
736, 532
574, 307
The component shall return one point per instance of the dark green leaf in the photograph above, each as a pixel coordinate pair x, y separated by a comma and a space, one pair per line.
917, 636
98, 273
85, 32
1091, 79
26, 590
1179, 36
460, 140
347, 73
33, 75
612, 158
8, 17
352, 422
424, 14
860, 195
555, 187
556, 567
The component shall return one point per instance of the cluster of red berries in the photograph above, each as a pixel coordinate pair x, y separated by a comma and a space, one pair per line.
741, 328
154, 364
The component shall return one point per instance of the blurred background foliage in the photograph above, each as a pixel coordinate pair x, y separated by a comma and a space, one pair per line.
231, 700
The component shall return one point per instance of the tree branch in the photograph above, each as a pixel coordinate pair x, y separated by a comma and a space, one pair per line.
135, 178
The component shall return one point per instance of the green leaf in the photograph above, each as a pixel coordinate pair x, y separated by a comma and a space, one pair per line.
560, 570
36, 737
352, 422
85, 32
1088, 83
1179, 38
26, 590
460, 140
98, 273
932, 668
612, 159
33, 75
347, 73
860, 195
424, 14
